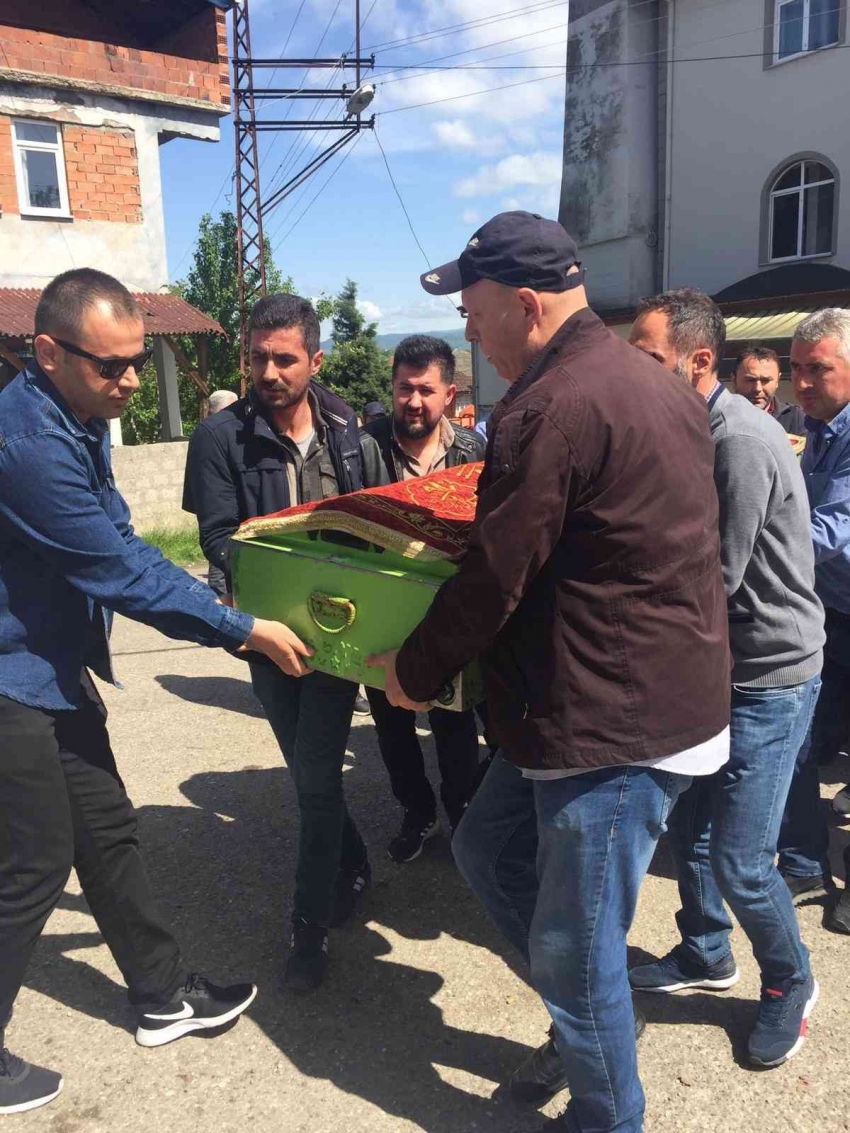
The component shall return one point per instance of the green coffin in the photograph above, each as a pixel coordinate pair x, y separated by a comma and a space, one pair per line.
346, 601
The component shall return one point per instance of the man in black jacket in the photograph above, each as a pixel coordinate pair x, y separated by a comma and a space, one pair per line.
416, 440
756, 378
291, 441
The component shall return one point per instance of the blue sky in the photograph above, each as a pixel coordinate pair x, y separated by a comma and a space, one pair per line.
456, 163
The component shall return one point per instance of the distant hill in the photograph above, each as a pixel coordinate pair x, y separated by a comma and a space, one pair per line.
455, 339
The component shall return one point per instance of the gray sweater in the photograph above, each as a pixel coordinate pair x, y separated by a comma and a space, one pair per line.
775, 617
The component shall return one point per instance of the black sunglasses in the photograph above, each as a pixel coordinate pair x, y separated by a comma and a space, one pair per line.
109, 368
462, 311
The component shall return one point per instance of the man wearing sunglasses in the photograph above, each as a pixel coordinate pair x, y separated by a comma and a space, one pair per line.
68, 559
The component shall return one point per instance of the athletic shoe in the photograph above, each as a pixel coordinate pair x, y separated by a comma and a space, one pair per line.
674, 972
350, 883
542, 1075
198, 1006
783, 1021
415, 832
308, 961
361, 706
24, 1086
838, 917
841, 802
807, 888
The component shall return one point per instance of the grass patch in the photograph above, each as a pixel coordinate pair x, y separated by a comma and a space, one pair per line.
180, 544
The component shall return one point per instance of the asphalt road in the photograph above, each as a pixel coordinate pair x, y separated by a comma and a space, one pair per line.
423, 1012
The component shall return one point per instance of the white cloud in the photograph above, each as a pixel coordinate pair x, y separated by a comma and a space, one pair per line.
536, 169
369, 310
454, 135
471, 216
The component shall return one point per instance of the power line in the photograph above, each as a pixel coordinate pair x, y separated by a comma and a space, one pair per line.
584, 67
467, 25
330, 178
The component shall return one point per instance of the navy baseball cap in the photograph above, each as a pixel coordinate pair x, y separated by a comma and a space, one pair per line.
519, 249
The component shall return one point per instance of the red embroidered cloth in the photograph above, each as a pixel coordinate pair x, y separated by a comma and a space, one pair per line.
426, 518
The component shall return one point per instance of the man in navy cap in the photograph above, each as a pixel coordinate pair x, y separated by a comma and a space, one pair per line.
592, 593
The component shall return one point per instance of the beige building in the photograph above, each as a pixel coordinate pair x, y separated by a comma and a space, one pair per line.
705, 145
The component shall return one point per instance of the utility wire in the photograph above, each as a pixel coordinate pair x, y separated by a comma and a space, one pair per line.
467, 25
330, 178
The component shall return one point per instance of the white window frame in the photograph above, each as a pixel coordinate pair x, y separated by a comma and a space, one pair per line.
780, 4
799, 190
58, 150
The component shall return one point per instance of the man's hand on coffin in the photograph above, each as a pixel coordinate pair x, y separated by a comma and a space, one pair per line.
280, 645
394, 692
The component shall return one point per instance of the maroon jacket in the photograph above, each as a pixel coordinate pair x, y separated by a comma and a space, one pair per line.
592, 589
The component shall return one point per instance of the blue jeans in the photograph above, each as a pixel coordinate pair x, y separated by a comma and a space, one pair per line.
558, 864
804, 838
724, 832
311, 718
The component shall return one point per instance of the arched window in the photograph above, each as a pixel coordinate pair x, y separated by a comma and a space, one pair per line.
802, 211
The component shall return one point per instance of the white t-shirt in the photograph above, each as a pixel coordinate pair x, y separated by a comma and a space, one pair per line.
704, 759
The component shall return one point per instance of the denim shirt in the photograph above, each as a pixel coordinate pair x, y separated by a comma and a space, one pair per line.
69, 556
826, 467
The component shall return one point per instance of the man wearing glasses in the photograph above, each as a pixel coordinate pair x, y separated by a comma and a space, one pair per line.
68, 559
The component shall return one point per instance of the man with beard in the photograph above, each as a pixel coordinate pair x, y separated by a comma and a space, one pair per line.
291, 441
756, 378
418, 439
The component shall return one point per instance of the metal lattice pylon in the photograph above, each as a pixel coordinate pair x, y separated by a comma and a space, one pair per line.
252, 267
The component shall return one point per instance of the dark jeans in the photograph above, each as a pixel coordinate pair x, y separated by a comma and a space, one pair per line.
311, 719
723, 834
558, 865
456, 739
62, 804
804, 838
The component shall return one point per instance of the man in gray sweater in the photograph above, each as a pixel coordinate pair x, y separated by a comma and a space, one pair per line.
724, 830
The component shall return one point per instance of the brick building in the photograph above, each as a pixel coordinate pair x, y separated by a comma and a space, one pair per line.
89, 91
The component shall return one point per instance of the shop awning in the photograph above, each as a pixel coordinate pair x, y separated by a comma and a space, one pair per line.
766, 324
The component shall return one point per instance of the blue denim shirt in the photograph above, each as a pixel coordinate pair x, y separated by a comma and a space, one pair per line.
69, 556
826, 467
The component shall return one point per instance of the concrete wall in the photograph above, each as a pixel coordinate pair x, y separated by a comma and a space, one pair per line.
150, 477
733, 123
33, 251
609, 195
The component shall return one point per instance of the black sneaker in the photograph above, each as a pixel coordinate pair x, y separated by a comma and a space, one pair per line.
542, 1075
308, 961
350, 883
24, 1086
783, 1021
361, 706
838, 917
674, 973
806, 888
415, 832
199, 1006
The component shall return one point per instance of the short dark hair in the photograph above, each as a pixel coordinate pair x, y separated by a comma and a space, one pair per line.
419, 351
274, 312
68, 298
695, 320
759, 353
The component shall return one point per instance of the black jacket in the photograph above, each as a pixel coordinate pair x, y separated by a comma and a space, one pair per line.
790, 417
468, 446
236, 468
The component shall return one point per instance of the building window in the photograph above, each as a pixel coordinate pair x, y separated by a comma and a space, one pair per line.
802, 212
40, 169
805, 25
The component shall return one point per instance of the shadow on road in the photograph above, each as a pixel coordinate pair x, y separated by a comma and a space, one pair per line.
216, 692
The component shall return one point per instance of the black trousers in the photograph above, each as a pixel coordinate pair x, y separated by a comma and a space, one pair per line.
62, 804
456, 740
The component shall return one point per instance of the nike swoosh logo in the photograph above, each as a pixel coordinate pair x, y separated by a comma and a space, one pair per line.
186, 1013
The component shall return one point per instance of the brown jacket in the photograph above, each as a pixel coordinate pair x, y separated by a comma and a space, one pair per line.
592, 588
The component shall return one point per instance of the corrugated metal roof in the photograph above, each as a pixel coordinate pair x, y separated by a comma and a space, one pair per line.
766, 324
164, 314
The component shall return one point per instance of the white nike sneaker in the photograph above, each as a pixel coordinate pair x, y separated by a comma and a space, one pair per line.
198, 1006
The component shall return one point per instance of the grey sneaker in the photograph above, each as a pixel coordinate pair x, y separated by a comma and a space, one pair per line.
841, 802
24, 1086
675, 973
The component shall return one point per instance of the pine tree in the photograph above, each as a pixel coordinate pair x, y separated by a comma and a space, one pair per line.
356, 369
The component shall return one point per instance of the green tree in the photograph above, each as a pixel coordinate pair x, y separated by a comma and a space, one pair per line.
356, 369
212, 285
